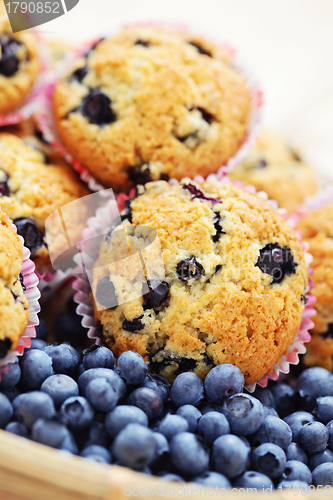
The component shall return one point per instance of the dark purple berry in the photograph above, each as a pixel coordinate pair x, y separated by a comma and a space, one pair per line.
79, 74
261, 164
22, 282
208, 117
329, 332
127, 212
106, 293
96, 106
197, 193
27, 228
218, 227
276, 261
189, 269
200, 49
133, 326
157, 294
5, 346
9, 63
180, 364
143, 43
4, 189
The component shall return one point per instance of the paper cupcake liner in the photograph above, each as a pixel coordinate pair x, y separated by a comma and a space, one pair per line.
96, 226
34, 101
47, 126
32, 294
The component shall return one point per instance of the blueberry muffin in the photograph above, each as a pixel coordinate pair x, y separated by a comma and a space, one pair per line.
234, 283
317, 229
31, 189
14, 307
152, 104
275, 167
19, 64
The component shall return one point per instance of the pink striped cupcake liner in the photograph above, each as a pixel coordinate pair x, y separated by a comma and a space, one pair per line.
97, 225
32, 294
47, 126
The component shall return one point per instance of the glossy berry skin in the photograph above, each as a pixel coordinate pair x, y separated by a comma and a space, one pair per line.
314, 383
65, 359
284, 398
295, 452
213, 425
253, 479
158, 384
296, 471
187, 389
276, 261
98, 356
188, 454
222, 382
36, 366
157, 294
42, 330
230, 455
172, 425
114, 379
31, 406
214, 479
17, 429
27, 228
270, 411
313, 437
135, 446
148, 400
132, 367
121, 416
102, 395
323, 475
189, 269
38, 344
269, 459
10, 379
273, 430
191, 415
297, 420
324, 409
320, 458
60, 387
244, 413
6, 411
96, 107
77, 413
51, 433
264, 395
96, 453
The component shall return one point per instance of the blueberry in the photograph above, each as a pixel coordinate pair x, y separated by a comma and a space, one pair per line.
60, 387
218, 233
38, 344
284, 397
50, 433
106, 293
162, 451
148, 400
65, 358
265, 396
269, 459
329, 427
135, 446
68, 328
253, 479
270, 411
102, 395
132, 367
230, 455
110, 375
126, 214
6, 410
314, 383
173, 360
188, 454
189, 269
191, 415
324, 409
10, 379
79, 74
96, 453
222, 382
17, 428
273, 430
320, 458
276, 261
27, 228
172, 477
295, 486
97, 107
297, 420
76, 412
143, 43
213, 479
42, 330
135, 325
172, 425
36, 366
323, 475
121, 416
187, 389
207, 407
213, 425
295, 470
244, 413
313, 437
5, 346
30, 406
158, 384
295, 452
97, 434
98, 356
200, 49
157, 293
4, 189
11, 393
9, 63
194, 190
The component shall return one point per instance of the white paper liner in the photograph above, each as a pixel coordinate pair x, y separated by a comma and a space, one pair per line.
32, 294
97, 224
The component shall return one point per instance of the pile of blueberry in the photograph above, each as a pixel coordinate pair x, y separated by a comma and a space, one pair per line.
212, 433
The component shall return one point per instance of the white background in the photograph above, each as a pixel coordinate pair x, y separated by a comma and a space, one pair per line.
287, 43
